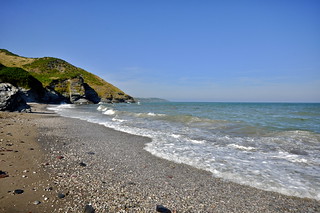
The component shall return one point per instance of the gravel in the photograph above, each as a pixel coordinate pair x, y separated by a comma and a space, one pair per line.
120, 176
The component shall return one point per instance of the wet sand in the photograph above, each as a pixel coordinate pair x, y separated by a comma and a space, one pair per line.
92, 164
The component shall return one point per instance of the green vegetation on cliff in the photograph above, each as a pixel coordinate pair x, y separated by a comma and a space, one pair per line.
48, 70
18, 77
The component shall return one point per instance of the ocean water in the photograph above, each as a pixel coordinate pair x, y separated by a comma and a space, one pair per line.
270, 146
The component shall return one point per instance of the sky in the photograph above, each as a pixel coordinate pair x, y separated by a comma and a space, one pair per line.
180, 50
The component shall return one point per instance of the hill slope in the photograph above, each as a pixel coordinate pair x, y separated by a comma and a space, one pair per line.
50, 70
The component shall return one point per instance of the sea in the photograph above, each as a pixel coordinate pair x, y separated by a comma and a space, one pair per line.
270, 146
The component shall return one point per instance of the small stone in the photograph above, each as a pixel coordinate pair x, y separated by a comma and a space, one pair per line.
60, 195
60, 157
162, 209
25, 171
24, 176
82, 164
89, 209
91, 153
18, 191
3, 174
46, 198
37, 202
31, 148
48, 188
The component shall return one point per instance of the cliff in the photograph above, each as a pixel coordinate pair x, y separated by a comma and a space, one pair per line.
60, 80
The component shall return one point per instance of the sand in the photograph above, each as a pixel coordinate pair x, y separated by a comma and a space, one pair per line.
92, 164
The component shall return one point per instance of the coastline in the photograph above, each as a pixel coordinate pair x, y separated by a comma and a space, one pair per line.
73, 159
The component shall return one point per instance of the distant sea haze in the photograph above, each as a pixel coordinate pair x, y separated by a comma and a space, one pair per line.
270, 146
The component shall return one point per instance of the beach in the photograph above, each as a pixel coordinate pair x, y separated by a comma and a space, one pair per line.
66, 164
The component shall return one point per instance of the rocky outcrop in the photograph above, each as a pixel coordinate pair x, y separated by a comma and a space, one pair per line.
11, 99
73, 90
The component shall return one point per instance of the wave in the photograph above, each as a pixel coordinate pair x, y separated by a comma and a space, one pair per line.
281, 161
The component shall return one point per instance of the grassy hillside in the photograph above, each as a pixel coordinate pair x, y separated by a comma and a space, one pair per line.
19, 77
47, 69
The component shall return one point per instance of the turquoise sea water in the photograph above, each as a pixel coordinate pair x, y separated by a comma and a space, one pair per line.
270, 146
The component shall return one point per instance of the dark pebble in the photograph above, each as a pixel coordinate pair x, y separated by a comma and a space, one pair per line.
31, 148
60, 195
60, 157
18, 191
3, 174
162, 209
82, 164
89, 209
91, 153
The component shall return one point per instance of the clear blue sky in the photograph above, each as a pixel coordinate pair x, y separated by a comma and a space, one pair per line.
194, 50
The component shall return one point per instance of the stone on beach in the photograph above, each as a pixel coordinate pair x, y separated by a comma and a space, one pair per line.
60, 195
89, 209
82, 164
18, 191
162, 209
37, 202
3, 174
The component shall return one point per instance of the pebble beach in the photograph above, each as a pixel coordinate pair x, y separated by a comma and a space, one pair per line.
66, 165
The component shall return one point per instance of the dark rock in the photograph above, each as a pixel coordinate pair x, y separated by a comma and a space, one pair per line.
11, 99
89, 209
82, 164
3, 174
60, 157
162, 209
91, 153
60, 195
18, 191
298, 152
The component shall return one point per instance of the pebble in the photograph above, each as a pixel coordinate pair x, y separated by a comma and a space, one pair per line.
18, 191
37, 202
48, 189
60, 195
162, 209
82, 164
89, 209
60, 157
3, 174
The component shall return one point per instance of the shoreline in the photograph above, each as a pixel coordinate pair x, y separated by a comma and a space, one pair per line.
90, 163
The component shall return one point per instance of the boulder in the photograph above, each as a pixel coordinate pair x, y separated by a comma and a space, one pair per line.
11, 99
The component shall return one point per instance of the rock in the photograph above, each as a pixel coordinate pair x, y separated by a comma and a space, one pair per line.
82, 164
11, 99
89, 209
18, 191
60, 195
73, 90
59, 157
162, 209
48, 189
37, 202
91, 153
3, 174
298, 152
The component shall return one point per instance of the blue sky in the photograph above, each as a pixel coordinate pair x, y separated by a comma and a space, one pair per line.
183, 50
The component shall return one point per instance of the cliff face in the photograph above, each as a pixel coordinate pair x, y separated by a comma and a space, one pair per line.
63, 81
